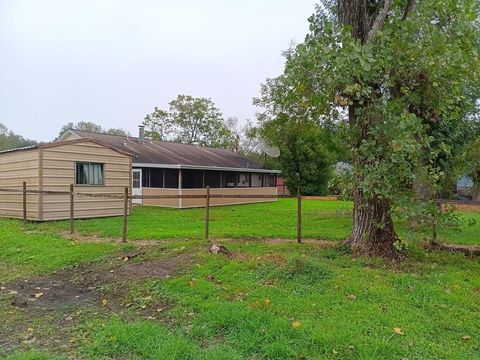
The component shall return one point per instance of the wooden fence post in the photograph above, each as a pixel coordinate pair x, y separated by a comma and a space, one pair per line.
435, 221
207, 212
125, 215
24, 198
72, 210
299, 210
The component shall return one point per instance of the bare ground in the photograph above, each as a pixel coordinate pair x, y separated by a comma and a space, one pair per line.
59, 299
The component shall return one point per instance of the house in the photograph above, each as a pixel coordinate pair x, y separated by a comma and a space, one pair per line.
168, 168
90, 166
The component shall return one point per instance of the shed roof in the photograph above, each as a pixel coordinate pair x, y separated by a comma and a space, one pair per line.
153, 152
62, 143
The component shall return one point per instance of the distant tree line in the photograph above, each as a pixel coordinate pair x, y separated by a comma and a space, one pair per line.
10, 140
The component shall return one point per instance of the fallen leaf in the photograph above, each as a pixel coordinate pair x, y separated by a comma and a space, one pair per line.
126, 258
104, 302
190, 283
398, 331
296, 324
466, 337
352, 297
38, 295
29, 341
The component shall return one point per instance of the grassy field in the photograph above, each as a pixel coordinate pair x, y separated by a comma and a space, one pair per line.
321, 220
268, 300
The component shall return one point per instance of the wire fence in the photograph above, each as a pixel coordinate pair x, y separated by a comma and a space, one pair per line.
297, 216
287, 216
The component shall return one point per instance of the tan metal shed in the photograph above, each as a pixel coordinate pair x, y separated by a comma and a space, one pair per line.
92, 167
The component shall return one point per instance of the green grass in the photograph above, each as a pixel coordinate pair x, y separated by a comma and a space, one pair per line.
244, 306
244, 309
24, 251
321, 219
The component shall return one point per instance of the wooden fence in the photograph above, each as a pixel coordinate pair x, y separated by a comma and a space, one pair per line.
126, 197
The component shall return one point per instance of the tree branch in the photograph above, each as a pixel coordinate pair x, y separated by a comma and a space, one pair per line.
409, 8
379, 20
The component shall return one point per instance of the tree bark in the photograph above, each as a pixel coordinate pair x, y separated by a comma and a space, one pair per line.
476, 193
373, 233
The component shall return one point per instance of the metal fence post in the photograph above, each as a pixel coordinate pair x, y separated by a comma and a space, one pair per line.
72, 210
299, 210
24, 198
125, 215
207, 212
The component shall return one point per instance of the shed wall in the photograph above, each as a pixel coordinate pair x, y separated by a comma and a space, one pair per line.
15, 168
58, 167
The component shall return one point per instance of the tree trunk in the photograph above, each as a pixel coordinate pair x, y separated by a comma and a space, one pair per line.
476, 193
373, 233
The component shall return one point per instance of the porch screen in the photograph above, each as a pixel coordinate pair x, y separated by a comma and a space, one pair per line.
89, 174
213, 179
257, 180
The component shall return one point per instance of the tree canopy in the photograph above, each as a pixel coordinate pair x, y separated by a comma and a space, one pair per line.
91, 127
402, 79
190, 120
10, 140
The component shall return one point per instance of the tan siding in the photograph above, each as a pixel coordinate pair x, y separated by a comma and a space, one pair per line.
161, 202
187, 203
59, 173
229, 191
15, 168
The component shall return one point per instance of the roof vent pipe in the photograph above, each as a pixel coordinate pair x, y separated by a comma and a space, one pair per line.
141, 132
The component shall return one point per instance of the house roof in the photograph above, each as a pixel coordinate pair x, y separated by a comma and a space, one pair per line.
155, 153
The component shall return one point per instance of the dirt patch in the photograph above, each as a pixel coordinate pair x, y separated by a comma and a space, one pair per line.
326, 244
95, 239
468, 250
86, 285
59, 301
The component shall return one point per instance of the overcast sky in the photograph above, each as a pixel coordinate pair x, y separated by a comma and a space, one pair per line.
112, 61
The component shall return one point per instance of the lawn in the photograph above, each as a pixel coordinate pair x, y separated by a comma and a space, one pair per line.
321, 220
268, 300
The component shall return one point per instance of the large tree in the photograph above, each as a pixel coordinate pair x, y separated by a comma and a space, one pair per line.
403, 77
91, 127
190, 120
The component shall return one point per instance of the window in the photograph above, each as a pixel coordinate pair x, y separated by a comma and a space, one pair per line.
89, 173
257, 180
243, 180
213, 179
156, 178
192, 179
229, 179
270, 180
136, 178
171, 178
